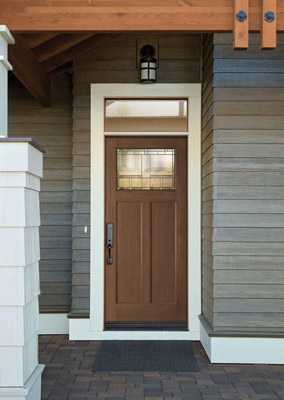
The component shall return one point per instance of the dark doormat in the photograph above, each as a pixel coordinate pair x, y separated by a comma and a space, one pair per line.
145, 355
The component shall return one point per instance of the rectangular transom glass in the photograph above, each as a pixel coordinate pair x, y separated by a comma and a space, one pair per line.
146, 115
145, 169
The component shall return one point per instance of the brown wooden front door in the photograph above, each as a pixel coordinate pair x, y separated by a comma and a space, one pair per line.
146, 200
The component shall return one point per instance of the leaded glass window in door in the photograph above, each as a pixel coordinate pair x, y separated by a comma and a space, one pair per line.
145, 169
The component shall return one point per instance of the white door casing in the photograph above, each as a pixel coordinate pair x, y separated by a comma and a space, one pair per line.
93, 329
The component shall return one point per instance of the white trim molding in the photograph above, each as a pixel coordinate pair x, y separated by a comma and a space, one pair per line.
6, 34
79, 329
5, 39
93, 328
241, 349
53, 324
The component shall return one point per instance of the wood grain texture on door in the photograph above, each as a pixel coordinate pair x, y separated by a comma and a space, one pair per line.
147, 281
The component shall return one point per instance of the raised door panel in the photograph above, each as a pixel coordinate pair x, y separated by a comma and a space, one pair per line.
163, 252
128, 264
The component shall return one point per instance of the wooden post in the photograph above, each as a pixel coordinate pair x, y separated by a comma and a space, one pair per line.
241, 25
5, 39
268, 24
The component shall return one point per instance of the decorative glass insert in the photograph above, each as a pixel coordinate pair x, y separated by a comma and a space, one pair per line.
145, 169
146, 115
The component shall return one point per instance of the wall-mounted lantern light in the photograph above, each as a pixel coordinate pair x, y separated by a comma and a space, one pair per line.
148, 63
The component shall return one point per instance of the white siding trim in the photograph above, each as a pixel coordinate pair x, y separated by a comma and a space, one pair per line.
242, 350
53, 324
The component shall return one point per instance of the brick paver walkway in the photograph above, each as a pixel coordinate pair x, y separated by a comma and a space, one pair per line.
68, 375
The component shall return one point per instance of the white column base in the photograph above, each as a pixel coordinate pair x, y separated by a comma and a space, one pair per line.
31, 390
242, 349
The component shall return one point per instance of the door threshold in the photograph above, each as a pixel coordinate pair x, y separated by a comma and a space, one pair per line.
146, 326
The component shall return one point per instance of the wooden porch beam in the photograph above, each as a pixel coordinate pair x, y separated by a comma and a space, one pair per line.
130, 15
241, 25
29, 71
36, 39
59, 44
268, 24
77, 51
59, 71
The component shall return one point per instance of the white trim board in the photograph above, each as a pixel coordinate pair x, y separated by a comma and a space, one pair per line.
95, 327
80, 330
242, 350
53, 324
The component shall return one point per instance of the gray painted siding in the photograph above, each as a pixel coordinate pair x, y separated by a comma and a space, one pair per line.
115, 62
243, 187
206, 251
52, 128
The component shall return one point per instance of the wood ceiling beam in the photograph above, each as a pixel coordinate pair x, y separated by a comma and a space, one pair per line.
36, 39
130, 15
77, 51
59, 44
59, 71
29, 71
241, 24
268, 24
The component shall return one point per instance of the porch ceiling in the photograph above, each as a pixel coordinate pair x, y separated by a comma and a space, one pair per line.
39, 57
51, 33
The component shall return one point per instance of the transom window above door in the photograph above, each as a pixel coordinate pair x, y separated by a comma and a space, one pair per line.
145, 169
146, 115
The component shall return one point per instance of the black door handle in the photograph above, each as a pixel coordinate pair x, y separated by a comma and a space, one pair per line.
109, 241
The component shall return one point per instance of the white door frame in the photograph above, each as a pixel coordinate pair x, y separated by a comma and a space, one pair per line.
93, 328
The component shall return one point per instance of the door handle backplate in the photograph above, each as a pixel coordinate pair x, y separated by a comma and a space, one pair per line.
109, 241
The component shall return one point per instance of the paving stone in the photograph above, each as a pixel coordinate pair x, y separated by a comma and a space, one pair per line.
155, 398
154, 392
149, 385
68, 375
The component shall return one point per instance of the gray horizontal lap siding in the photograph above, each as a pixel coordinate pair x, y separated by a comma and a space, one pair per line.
207, 113
52, 128
243, 188
115, 62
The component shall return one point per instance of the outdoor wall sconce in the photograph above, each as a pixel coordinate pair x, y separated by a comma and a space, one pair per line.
148, 63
